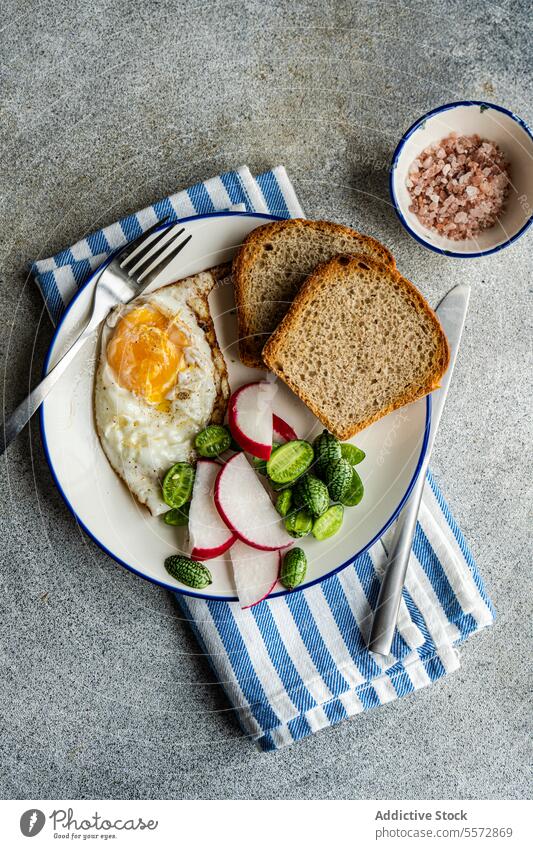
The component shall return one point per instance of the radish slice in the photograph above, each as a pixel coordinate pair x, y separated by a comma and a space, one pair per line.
255, 572
250, 418
246, 507
209, 535
283, 432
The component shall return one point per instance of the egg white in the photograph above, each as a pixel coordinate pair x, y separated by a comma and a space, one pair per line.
140, 441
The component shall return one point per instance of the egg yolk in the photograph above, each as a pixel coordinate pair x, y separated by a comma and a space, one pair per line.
147, 353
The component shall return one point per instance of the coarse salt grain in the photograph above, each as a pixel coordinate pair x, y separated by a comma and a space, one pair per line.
459, 185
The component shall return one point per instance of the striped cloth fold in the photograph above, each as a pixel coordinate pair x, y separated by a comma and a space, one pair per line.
299, 663
59, 277
295, 664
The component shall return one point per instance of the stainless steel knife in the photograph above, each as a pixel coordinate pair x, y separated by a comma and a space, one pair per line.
452, 313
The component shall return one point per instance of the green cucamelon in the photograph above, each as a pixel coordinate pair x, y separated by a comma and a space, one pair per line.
299, 524
284, 502
177, 484
327, 449
188, 571
177, 515
212, 441
289, 461
293, 568
338, 477
261, 465
329, 523
310, 492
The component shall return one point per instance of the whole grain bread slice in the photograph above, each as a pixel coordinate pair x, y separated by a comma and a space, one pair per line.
358, 342
272, 264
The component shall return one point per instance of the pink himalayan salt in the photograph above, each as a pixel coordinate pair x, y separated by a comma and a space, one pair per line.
459, 186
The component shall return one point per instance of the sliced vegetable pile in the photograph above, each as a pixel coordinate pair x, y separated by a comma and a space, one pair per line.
228, 508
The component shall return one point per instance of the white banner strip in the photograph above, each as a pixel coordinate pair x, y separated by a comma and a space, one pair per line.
234, 824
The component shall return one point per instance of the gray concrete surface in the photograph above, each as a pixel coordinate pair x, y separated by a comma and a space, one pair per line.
107, 106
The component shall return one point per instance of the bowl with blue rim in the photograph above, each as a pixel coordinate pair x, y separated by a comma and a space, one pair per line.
492, 123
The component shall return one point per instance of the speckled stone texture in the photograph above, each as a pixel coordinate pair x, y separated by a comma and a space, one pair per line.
107, 106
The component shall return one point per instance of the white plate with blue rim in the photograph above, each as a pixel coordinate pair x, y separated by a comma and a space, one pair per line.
394, 446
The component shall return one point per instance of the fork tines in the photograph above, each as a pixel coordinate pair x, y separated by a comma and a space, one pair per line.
132, 248
169, 252
155, 247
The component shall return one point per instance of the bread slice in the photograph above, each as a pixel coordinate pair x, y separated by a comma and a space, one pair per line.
358, 341
271, 266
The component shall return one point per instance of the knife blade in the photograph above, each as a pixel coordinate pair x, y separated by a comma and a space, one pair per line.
452, 314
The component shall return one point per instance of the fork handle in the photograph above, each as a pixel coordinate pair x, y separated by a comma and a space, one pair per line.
25, 410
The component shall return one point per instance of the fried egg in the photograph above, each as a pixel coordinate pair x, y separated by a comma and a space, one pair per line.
161, 378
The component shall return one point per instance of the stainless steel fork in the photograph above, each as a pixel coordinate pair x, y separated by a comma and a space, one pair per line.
125, 276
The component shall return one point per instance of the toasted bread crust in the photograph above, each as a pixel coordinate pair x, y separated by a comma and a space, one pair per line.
200, 307
248, 254
321, 278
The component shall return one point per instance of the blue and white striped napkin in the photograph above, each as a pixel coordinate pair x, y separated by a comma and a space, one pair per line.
59, 277
299, 663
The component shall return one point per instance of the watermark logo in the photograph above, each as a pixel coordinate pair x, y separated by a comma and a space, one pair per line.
32, 822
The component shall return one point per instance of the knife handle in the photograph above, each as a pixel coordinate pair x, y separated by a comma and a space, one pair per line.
25, 410
390, 594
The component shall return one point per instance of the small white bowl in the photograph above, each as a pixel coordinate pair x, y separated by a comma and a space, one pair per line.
490, 122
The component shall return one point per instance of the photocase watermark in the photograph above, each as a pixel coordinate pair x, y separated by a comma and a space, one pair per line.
32, 822
67, 826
